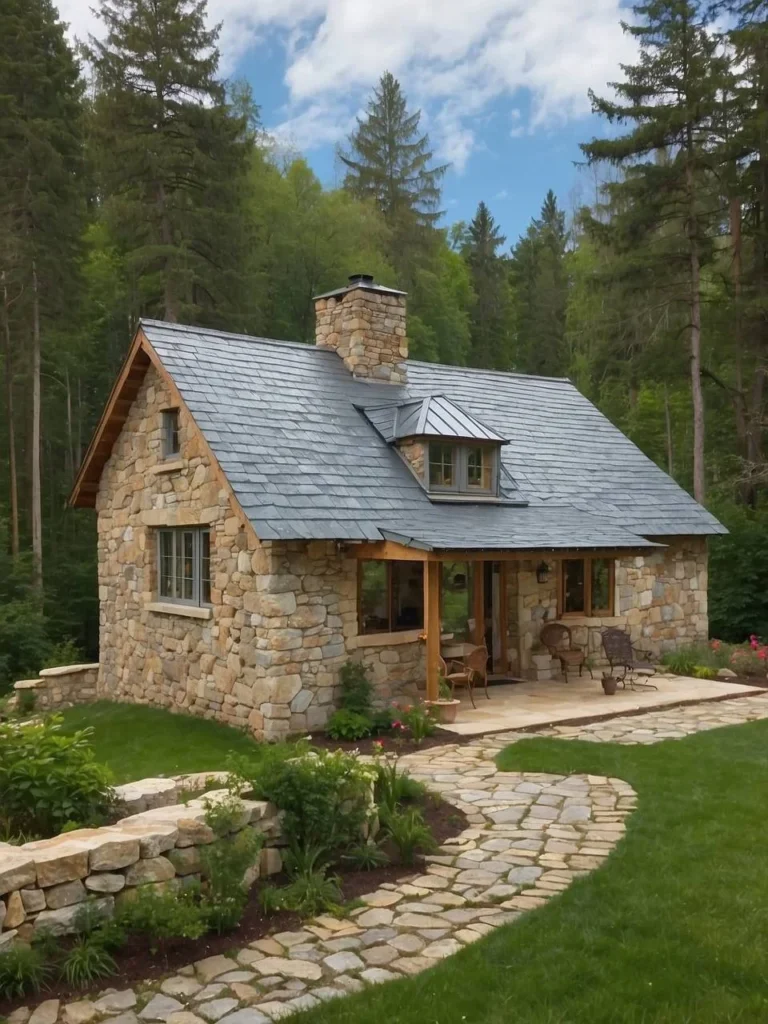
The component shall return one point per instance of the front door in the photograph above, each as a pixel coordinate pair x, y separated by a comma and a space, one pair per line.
495, 616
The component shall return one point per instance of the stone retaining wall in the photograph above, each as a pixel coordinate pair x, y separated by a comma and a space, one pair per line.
43, 884
61, 687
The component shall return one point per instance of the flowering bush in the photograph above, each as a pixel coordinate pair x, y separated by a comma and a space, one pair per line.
750, 659
418, 719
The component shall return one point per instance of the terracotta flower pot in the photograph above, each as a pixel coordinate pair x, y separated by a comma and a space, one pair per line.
445, 710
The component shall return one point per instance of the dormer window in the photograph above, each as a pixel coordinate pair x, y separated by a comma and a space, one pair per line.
463, 468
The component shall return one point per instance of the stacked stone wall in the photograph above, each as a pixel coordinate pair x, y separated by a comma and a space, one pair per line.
43, 884
61, 687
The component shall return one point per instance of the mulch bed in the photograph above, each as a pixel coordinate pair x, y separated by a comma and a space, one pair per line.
138, 963
396, 744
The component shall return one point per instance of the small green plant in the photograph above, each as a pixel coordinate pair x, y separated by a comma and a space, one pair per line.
409, 832
381, 719
348, 725
704, 672
682, 662
311, 893
419, 720
48, 779
393, 787
26, 702
365, 857
226, 863
23, 971
87, 961
356, 689
162, 916
443, 689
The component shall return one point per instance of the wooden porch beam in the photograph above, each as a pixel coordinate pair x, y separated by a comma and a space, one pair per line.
389, 550
478, 601
432, 626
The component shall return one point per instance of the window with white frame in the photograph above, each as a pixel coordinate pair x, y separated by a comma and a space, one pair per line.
462, 468
184, 565
171, 446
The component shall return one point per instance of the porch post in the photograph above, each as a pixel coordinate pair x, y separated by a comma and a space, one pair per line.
432, 626
478, 602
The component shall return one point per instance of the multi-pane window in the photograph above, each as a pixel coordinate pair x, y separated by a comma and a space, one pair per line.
391, 596
586, 586
170, 433
462, 468
184, 565
479, 468
441, 465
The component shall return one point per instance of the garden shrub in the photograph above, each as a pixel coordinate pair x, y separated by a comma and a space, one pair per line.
394, 787
226, 863
308, 893
66, 652
23, 971
48, 779
159, 916
418, 719
738, 569
356, 689
87, 961
348, 725
409, 832
682, 662
324, 797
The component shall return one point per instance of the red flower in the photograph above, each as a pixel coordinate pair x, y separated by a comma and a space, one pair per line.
398, 725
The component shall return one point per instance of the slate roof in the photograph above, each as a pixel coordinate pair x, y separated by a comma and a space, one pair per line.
435, 416
284, 420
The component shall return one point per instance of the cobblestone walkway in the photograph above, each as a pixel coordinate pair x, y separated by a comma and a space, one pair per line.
530, 835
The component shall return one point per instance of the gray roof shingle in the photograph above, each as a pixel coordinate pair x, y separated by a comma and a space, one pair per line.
284, 420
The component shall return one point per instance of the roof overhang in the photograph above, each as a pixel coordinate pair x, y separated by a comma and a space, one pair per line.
121, 398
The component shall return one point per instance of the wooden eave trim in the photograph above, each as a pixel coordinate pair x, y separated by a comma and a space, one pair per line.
121, 398
388, 549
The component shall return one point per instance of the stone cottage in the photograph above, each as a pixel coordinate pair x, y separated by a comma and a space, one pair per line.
269, 509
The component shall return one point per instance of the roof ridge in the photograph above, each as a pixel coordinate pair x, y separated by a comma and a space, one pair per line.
190, 329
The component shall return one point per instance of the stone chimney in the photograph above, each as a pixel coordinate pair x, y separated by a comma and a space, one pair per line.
364, 323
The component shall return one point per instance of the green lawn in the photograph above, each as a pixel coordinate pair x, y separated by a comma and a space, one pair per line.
137, 742
672, 928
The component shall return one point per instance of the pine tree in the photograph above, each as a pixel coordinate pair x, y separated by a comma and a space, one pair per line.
41, 204
670, 96
172, 155
491, 313
541, 291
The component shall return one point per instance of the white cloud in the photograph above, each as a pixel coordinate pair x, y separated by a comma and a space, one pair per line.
455, 59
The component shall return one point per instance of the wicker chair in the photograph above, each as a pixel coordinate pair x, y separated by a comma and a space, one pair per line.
621, 653
557, 639
466, 672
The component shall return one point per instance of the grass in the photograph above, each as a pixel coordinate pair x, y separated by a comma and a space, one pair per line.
138, 742
670, 929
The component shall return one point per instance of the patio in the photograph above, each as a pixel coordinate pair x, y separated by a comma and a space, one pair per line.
520, 705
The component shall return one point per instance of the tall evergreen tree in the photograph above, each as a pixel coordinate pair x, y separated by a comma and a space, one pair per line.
41, 206
172, 155
490, 322
541, 290
670, 98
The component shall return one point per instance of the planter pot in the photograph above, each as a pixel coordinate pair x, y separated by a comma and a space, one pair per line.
445, 710
609, 685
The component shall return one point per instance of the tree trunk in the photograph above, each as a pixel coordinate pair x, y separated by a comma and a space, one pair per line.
70, 452
37, 513
170, 297
697, 392
12, 472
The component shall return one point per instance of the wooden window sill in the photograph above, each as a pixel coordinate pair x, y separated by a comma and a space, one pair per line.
169, 466
403, 636
187, 611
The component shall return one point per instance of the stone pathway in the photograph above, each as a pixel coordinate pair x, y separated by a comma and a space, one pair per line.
530, 835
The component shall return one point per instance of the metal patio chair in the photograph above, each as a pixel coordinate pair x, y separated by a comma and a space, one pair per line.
467, 672
622, 653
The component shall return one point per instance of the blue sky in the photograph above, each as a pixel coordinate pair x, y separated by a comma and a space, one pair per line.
502, 83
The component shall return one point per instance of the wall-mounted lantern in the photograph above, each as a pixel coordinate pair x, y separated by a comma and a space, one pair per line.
542, 572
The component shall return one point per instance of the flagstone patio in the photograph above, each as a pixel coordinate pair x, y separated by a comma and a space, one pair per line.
525, 704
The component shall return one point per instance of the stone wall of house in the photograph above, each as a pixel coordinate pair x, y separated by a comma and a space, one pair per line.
414, 454
660, 596
283, 617
368, 330
43, 884
61, 687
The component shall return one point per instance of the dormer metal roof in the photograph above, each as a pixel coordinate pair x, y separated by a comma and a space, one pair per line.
434, 416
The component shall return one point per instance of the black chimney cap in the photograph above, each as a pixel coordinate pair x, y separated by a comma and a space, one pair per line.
360, 281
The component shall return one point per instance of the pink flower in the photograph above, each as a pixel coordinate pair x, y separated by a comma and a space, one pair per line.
763, 653
398, 724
